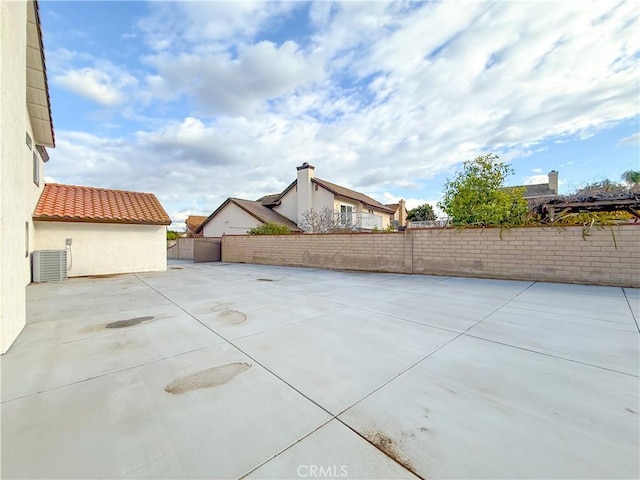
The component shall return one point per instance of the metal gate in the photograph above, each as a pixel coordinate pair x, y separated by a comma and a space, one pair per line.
207, 249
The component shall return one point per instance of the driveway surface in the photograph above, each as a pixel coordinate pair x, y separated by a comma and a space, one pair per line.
232, 371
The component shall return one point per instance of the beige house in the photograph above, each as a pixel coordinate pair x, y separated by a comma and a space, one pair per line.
400, 215
192, 223
26, 129
542, 190
350, 209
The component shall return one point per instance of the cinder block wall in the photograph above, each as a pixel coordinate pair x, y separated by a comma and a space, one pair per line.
540, 254
348, 251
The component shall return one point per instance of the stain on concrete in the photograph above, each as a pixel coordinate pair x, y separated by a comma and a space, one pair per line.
212, 377
106, 275
231, 317
123, 345
265, 280
424, 429
388, 445
176, 268
215, 307
631, 411
128, 323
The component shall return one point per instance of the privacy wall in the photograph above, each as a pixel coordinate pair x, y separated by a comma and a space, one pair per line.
603, 257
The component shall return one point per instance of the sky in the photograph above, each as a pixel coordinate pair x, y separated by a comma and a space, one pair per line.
200, 101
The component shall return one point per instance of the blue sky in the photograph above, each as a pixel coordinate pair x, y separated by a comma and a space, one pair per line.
200, 101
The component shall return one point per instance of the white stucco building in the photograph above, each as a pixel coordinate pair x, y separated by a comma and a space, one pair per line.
110, 231
352, 209
26, 129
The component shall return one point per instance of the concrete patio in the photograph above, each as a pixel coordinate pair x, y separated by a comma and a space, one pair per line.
232, 371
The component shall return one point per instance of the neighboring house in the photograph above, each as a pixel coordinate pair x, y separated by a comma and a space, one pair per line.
192, 223
26, 128
400, 215
112, 231
542, 190
352, 209
236, 216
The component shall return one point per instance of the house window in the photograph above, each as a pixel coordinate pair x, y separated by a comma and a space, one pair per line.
28, 141
346, 214
370, 211
36, 169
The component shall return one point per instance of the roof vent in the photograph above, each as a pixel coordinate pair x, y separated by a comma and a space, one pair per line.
49, 265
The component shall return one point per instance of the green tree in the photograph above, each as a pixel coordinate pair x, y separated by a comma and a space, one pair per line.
270, 228
477, 196
422, 213
172, 235
631, 176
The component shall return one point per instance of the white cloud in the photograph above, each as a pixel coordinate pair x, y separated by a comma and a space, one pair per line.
180, 25
630, 140
536, 170
221, 83
376, 95
536, 179
97, 85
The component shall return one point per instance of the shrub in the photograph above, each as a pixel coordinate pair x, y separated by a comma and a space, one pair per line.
270, 228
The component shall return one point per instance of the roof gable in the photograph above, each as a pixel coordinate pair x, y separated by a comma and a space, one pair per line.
254, 208
194, 221
352, 194
71, 203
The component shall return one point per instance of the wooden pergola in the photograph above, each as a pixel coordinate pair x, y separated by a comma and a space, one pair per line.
561, 207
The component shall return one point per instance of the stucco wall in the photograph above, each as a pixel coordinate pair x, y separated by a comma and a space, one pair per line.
18, 193
104, 248
522, 254
229, 221
322, 199
288, 206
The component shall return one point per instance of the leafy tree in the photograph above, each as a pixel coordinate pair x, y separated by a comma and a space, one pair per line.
477, 196
270, 228
423, 213
631, 176
172, 235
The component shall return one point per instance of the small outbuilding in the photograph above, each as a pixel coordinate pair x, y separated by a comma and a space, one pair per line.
104, 231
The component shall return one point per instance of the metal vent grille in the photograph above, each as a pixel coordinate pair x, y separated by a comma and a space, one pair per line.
49, 265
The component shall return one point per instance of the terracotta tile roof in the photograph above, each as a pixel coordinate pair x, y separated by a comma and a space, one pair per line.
70, 203
194, 221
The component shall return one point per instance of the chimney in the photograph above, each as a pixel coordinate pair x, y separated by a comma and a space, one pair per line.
304, 196
553, 181
402, 213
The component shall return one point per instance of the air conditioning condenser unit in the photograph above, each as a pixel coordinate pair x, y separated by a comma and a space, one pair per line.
49, 265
